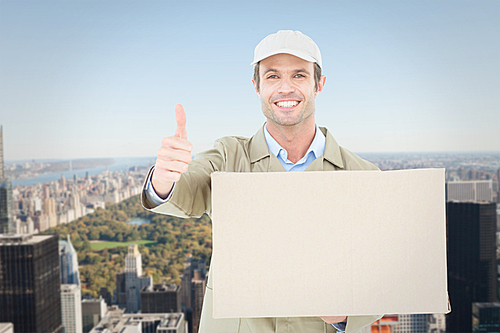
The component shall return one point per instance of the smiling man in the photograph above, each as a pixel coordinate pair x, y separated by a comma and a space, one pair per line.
287, 88
287, 78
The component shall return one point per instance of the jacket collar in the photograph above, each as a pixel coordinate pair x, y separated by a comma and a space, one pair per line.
258, 148
332, 149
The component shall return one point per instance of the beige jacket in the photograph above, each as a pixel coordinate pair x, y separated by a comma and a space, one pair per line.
192, 198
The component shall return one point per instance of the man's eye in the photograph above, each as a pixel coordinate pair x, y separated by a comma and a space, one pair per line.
273, 76
299, 75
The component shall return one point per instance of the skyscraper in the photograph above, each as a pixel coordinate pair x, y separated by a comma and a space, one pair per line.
71, 305
387, 324
133, 260
49, 207
68, 263
486, 317
436, 323
408, 323
7, 225
129, 282
106, 295
193, 290
413, 323
161, 298
29, 283
198, 284
2, 170
472, 269
471, 190
93, 310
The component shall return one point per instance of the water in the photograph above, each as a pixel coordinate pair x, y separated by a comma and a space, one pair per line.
121, 164
138, 221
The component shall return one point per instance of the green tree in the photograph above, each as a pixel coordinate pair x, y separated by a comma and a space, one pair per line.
94, 235
86, 246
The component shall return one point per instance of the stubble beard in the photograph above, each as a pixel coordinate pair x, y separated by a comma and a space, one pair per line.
306, 111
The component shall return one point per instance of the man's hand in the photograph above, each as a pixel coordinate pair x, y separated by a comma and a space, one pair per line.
333, 320
173, 157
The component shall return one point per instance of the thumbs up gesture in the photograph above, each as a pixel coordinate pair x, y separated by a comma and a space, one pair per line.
173, 157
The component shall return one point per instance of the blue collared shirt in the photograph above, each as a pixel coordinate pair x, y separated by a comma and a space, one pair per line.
315, 150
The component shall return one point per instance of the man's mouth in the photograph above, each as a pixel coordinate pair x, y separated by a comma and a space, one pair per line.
287, 104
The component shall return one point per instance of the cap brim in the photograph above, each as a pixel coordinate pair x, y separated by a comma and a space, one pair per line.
300, 55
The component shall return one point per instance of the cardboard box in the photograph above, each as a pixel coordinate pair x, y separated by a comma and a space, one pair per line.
329, 243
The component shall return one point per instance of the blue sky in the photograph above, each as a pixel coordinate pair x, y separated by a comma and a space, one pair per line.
101, 78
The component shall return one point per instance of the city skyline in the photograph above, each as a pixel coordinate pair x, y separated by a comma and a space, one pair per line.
86, 79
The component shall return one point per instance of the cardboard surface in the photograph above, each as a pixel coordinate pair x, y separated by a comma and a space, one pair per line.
329, 243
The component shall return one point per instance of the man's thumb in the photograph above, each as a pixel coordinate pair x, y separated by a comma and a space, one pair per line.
180, 118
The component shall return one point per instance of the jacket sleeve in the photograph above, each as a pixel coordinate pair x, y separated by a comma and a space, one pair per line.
192, 194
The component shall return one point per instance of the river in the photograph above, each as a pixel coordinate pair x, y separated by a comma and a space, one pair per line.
121, 164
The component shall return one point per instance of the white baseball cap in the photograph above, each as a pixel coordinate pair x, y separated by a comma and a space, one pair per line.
288, 41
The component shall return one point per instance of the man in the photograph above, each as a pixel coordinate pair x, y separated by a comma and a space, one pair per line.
287, 78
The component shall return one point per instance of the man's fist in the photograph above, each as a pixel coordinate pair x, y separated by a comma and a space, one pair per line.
173, 157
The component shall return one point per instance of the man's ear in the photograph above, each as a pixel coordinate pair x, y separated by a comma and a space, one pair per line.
255, 87
321, 84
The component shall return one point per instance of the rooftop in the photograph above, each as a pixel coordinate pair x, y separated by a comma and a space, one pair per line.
116, 322
161, 288
23, 239
487, 305
69, 288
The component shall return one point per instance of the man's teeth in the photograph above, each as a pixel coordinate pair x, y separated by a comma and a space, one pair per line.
287, 104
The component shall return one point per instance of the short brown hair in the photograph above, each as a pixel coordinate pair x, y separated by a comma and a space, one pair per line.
256, 75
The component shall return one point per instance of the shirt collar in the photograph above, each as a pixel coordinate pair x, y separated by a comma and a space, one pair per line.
258, 149
317, 145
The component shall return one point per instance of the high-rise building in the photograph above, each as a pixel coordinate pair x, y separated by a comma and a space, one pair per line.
129, 282
470, 190
413, 323
62, 182
498, 185
49, 206
193, 290
106, 295
113, 316
436, 323
486, 317
387, 324
93, 310
121, 289
2, 168
7, 225
29, 283
161, 298
472, 268
133, 260
71, 305
68, 263
198, 284
142, 323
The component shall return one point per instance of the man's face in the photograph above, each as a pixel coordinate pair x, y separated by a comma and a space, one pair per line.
287, 89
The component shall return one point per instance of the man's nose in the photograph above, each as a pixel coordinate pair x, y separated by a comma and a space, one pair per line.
286, 86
